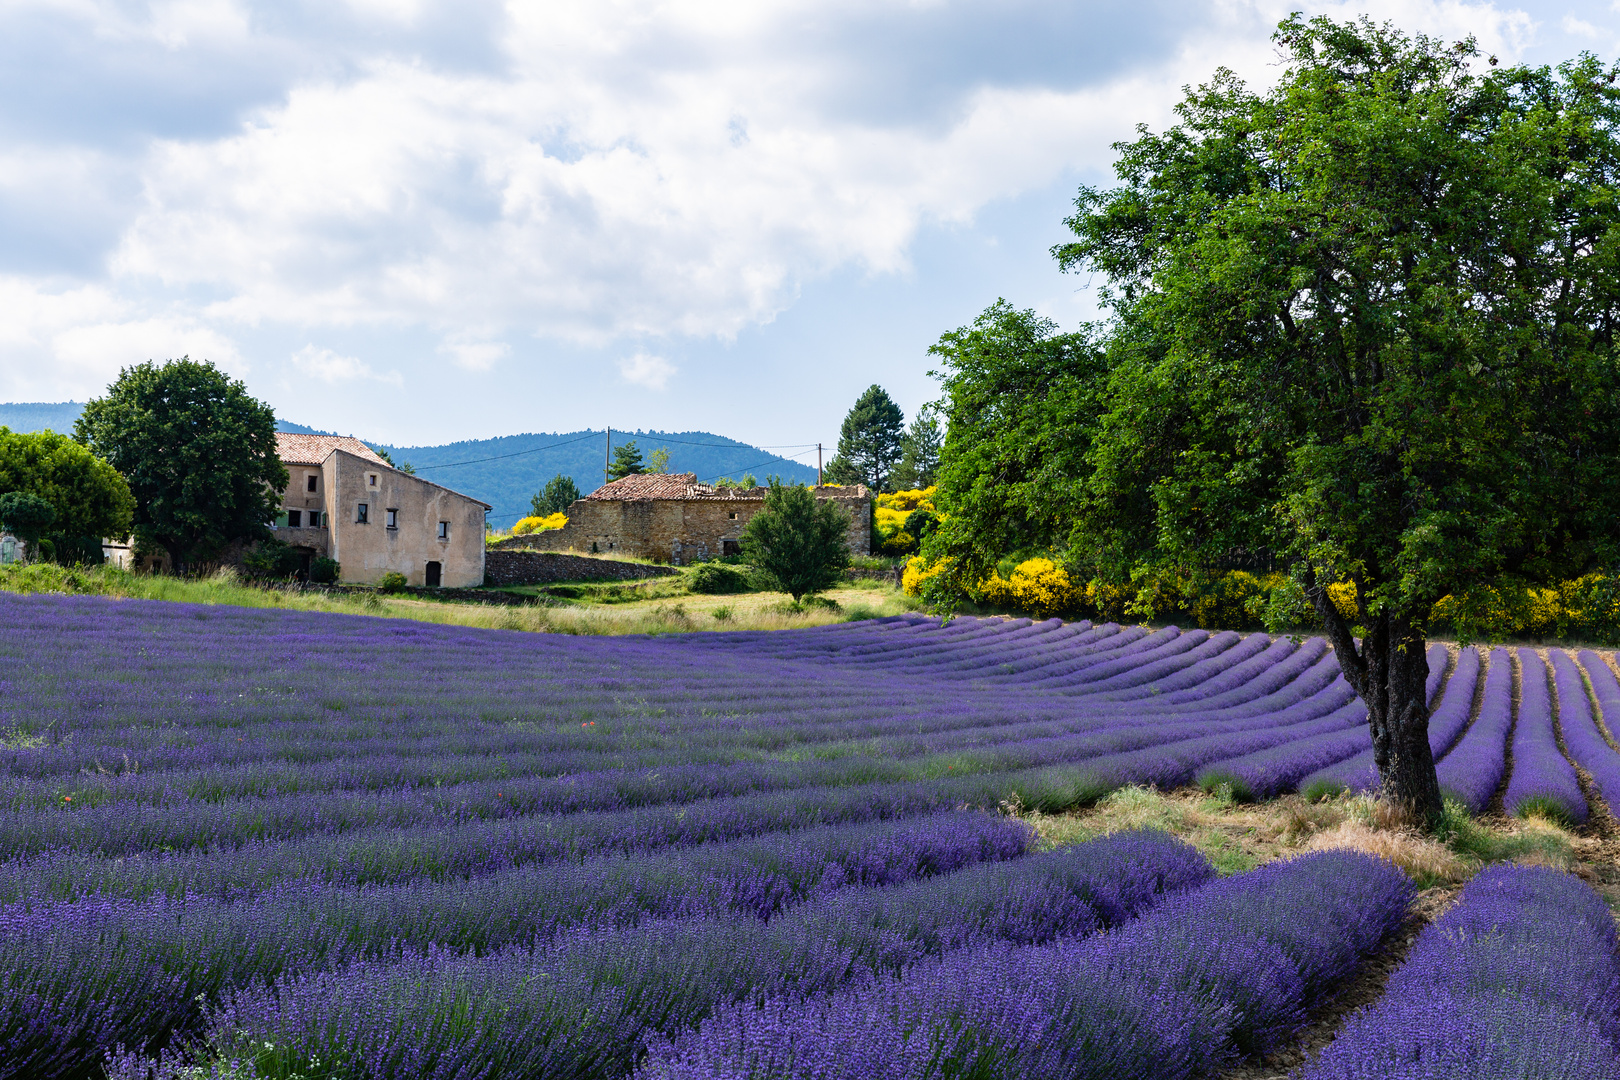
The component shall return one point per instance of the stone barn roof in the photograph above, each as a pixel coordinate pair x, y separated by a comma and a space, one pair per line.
683, 486
312, 449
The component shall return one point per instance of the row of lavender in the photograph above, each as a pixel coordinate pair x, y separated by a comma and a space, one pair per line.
200, 803
1567, 714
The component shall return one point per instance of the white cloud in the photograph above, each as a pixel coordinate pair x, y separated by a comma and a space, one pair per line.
644, 369
1580, 27
475, 355
331, 367
588, 172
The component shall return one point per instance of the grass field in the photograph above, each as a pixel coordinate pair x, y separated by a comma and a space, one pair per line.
650, 606
259, 842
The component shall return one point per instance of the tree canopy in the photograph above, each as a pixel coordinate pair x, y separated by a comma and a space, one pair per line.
1022, 402
869, 442
1361, 325
89, 498
199, 453
626, 461
556, 497
919, 451
799, 542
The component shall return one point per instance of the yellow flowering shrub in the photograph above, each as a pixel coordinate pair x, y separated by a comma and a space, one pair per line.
889, 515
1228, 602
540, 524
1038, 586
918, 571
906, 501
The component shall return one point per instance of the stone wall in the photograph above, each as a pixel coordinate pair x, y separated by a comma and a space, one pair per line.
682, 531
519, 567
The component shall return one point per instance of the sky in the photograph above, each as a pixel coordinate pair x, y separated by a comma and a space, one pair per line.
423, 222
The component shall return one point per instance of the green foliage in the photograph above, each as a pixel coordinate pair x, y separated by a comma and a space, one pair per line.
1363, 326
799, 544
272, 560
626, 461
658, 461
26, 516
717, 579
1023, 404
90, 499
869, 442
324, 571
919, 451
392, 582
556, 497
198, 451
1362, 321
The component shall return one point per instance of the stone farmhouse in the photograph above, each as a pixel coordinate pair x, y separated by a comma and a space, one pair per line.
346, 503
673, 518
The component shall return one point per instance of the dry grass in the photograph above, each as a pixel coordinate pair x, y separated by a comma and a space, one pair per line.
1239, 836
1424, 858
655, 615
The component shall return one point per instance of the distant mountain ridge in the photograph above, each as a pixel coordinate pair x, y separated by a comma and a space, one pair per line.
505, 471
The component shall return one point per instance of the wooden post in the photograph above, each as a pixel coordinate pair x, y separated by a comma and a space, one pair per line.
607, 459
818, 464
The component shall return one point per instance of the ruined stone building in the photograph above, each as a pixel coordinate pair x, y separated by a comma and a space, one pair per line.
674, 518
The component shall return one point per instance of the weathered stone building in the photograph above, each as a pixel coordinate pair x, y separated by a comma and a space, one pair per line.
674, 518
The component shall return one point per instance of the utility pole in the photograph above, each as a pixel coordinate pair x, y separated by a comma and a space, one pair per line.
818, 464
607, 459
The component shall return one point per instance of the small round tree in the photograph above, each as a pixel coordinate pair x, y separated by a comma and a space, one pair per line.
798, 542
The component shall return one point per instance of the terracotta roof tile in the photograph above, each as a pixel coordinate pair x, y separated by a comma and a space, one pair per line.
685, 486
312, 449
646, 486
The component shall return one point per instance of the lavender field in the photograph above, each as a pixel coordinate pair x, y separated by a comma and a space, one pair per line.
303, 845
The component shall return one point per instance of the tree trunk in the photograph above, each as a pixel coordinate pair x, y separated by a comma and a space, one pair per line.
1388, 670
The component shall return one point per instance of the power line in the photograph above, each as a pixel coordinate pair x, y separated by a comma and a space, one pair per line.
503, 457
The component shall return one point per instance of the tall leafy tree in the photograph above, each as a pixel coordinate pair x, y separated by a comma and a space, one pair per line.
199, 453
558, 495
1366, 320
869, 442
626, 461
89, 499
1022, 403
919, 451
799, 542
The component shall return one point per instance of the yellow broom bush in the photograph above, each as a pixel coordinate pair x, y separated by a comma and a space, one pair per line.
540, 524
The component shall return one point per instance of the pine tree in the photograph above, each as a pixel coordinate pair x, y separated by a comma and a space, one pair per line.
626, 461
869, 441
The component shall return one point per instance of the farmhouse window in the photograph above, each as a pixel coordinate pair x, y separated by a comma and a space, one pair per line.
371, 479
393, 518
295, 518
362, 515
310, 486
730, 547
732, 515
444, 530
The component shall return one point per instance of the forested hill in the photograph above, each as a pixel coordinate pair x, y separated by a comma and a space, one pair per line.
505, 471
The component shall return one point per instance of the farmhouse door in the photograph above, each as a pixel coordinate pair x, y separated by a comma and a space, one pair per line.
433, 575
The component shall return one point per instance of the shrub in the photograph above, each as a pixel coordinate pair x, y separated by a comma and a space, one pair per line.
392, 582
324, 571
1039, 586
539, 524
717, 579
900, 520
